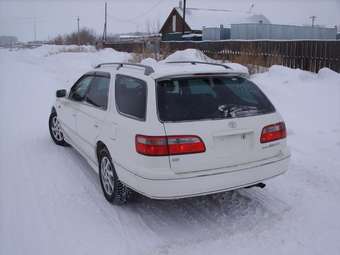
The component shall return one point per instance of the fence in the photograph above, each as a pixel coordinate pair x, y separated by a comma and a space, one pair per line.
306, 55
131, 47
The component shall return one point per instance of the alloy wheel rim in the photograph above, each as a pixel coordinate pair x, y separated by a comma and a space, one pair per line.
107, 175
56, 129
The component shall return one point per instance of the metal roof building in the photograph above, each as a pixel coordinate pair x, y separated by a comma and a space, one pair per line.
281, 32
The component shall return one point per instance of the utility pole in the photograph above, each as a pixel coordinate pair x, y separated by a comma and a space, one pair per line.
78, 35
105, 24
184, 10
35, 28
313, 18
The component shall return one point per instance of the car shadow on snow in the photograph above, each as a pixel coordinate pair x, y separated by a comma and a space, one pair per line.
210, 217
193, 220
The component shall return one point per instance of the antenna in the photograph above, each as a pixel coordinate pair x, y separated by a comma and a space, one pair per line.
313, 18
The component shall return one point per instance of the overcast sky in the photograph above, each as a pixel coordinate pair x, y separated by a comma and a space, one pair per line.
55, 17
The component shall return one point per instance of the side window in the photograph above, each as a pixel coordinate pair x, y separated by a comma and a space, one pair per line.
98, 93
131, 96
78, 91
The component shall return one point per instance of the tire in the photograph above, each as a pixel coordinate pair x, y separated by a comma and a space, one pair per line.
114, 190
55, 130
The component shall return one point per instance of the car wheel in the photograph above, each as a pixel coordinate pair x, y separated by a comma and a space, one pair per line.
55, 130
114, 190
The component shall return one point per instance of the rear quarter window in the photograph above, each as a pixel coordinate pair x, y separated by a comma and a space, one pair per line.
130, 96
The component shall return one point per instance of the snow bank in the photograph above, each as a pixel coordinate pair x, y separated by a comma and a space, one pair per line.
294, 91
72, 59
47, 50
326, 73
68, 50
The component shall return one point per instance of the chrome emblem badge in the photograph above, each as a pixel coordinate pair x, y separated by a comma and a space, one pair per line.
232, 124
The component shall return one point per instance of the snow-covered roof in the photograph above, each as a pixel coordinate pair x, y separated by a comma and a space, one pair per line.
198, 18
163, 68
191, 35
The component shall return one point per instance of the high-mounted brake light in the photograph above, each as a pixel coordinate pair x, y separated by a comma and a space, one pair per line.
169, 145
273, 132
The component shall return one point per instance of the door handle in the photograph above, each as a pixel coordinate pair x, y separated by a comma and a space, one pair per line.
96, 125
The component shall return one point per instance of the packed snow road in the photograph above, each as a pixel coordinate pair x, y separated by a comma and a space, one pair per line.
51, 201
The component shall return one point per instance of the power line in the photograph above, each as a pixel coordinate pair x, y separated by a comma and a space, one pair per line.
218, 10
208, 9
121, 20
132, 20
148, 11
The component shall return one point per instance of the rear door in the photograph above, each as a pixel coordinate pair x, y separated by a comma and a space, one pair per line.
210, 107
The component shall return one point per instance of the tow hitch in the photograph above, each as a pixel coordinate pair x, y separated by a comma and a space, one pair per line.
260, 185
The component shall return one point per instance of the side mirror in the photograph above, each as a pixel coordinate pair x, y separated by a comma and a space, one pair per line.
61, 93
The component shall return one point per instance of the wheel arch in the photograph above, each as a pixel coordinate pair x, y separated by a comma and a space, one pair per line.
99, 146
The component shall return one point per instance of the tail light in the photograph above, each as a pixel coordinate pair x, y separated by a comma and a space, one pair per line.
169, 145
273, 132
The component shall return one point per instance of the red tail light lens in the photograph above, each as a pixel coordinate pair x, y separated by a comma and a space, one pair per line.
169, 145
185, 145
152, 145
273, 132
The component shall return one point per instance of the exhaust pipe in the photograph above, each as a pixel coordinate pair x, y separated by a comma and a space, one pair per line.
260, 185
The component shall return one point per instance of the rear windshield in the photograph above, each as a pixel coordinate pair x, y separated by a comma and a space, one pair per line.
188, 99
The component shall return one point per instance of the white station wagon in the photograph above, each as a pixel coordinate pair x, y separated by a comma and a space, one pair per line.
182, 129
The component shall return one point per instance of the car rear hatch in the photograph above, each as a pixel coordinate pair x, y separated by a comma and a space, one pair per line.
228, 114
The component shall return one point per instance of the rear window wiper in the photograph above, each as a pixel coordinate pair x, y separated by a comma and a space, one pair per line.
231, 110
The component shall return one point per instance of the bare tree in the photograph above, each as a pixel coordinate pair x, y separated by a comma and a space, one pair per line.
86, 37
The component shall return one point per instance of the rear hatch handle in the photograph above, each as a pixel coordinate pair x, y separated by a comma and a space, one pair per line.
234, 132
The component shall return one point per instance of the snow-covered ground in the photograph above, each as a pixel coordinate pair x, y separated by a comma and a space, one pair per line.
51, 201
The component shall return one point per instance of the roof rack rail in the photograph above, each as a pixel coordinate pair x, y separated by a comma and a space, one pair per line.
148, 69
198, 62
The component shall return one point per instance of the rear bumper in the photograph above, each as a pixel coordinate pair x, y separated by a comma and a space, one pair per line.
205, 184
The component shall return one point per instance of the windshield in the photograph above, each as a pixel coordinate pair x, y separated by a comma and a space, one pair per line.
188, 99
